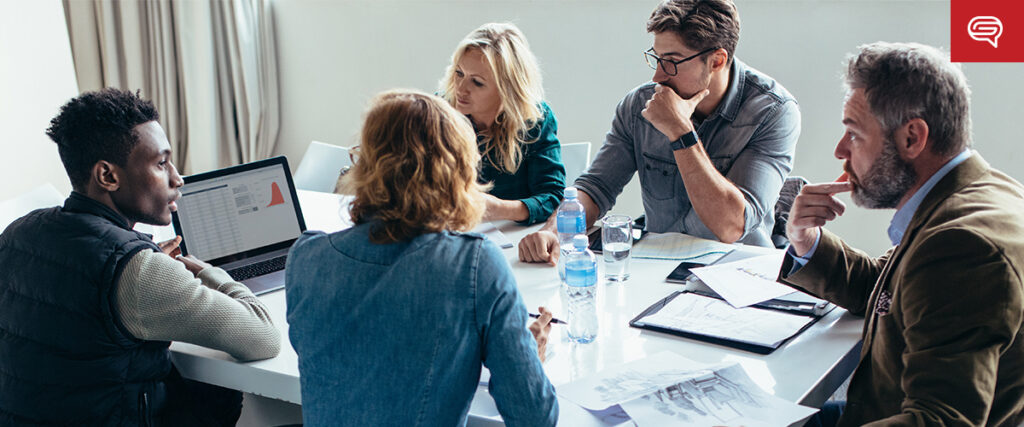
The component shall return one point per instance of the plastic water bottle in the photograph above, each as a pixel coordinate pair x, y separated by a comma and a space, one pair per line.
581, 291
571, 222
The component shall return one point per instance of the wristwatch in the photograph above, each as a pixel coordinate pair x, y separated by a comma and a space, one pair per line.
686, 141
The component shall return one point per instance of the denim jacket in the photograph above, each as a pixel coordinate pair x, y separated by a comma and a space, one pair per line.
395, 334
750, 138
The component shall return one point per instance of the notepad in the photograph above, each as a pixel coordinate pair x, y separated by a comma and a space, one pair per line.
705, 318
678, 246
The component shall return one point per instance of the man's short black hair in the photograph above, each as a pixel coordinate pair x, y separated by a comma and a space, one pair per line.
98, 126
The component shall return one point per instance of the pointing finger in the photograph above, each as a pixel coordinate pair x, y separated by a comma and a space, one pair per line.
827, 188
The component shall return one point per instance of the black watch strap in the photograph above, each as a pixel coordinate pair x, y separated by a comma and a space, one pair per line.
686, 141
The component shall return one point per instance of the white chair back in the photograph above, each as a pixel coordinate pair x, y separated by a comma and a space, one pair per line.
576, 158
43, 196
321, 166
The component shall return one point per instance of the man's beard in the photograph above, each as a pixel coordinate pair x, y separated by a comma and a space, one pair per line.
703, 84
886, 182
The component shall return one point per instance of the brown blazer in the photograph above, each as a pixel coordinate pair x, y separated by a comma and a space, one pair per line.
944, 336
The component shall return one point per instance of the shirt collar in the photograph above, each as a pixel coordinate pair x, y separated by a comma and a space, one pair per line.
729, 107
900, 221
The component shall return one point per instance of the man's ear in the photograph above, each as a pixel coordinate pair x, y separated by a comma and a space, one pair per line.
719, 59
106, 176
912, 138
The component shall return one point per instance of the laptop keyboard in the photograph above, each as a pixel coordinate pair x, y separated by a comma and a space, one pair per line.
258, 269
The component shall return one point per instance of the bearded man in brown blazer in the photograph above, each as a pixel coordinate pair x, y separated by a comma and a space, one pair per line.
943, 338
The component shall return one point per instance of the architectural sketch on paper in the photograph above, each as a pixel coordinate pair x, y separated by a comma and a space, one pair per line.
709, 395
631, 382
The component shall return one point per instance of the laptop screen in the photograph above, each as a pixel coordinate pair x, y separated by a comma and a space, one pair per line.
238, 212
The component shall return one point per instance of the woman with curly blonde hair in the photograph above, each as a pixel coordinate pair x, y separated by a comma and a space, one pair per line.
494, 80
404, 306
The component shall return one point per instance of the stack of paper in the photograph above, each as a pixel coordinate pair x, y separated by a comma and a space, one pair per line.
668, 389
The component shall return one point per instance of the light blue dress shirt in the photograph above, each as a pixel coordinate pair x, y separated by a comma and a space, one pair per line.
901, 220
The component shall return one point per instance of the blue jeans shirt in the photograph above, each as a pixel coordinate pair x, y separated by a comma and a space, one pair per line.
394, 334
750, 138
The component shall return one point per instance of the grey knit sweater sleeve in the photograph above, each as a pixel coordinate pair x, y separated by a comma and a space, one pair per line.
160, 300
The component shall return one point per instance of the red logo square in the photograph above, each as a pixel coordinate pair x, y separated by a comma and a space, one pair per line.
987, 30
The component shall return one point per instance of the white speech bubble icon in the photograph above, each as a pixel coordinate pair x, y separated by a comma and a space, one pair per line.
985, 29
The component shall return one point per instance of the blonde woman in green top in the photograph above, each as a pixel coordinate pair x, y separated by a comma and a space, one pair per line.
494, 80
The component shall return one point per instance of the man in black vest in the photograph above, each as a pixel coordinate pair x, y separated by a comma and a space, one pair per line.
89, 306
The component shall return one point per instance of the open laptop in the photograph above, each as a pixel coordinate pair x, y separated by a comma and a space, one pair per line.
243, 219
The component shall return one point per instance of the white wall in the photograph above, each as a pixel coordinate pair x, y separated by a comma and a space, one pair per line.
36, 77
334, 55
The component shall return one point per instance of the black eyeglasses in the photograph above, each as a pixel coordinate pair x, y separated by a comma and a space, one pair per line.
653, 60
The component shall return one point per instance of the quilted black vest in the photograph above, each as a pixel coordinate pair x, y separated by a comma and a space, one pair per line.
65, 356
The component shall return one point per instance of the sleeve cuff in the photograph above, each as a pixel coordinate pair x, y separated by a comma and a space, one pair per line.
532, 211
540, 207
800, 261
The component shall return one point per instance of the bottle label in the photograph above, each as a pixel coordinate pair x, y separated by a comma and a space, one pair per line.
580, 273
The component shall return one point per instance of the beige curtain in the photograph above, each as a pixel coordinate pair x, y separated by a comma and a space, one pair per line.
209, 66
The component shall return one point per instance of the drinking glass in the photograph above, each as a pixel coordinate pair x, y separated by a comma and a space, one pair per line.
616, 243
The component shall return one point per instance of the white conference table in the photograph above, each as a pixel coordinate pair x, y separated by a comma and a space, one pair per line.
806, 370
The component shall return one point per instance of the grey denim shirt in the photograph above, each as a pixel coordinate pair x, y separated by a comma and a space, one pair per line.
750, 138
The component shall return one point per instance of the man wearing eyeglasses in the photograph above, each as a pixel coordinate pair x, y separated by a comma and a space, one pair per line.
712, 138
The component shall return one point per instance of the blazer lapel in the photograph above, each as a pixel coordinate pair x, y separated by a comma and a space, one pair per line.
881, 296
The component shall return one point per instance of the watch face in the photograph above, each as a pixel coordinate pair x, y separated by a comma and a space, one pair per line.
686, 141
690, 139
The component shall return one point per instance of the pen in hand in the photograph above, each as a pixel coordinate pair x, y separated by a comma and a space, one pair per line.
553, 320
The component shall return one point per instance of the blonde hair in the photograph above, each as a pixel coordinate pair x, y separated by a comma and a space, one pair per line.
416, 171
518, 81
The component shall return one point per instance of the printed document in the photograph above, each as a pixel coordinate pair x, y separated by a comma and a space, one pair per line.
677, 246
698, 314
747, 281
625, 382
668, 389
720, 395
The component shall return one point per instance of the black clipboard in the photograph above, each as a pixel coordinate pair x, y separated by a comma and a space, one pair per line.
758, 348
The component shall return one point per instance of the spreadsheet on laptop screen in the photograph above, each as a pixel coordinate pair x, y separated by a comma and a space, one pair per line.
238, 212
